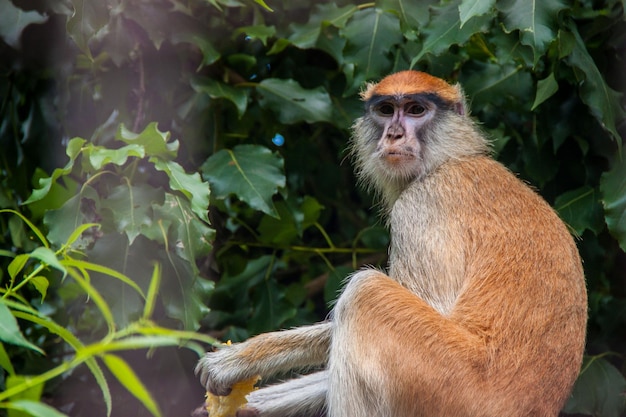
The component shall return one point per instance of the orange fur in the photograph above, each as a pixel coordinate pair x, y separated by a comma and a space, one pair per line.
510, 344
412, 82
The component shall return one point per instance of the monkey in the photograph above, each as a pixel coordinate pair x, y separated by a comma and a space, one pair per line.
482, 310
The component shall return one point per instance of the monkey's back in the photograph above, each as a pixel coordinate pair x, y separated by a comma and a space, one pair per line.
485, 250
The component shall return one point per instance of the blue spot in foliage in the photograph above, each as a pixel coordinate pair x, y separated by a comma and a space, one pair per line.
278, 139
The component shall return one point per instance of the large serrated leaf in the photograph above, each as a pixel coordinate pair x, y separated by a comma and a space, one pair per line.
613, 188
471, 8
599, 390
216, 89
580, 209
292, 103
306, 35
494, 84
191, 185
100, 156
131, 208
535, 19
89, 17
77, 210
413, 15
445, 29
251, 172
74, 148
603, 101
371, 34
155, 142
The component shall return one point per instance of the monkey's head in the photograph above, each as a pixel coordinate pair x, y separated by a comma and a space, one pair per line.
413, 123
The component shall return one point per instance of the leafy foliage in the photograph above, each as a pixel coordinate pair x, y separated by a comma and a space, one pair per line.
260, 97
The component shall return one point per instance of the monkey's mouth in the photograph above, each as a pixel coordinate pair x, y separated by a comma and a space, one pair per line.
397, 157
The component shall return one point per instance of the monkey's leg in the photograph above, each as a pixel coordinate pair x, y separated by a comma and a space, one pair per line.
392, 354
302, 397
266, 354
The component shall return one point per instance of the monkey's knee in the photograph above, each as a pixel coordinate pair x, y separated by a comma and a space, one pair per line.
357, 284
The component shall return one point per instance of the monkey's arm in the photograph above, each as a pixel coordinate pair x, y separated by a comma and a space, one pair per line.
302, 397
265, 355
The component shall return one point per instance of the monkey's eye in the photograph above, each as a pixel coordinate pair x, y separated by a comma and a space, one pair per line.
385, 109
416, 109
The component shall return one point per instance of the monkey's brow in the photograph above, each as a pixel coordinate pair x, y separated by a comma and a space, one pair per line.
434, 98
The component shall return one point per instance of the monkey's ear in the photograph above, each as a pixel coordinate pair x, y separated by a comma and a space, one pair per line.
367, 93
461, 105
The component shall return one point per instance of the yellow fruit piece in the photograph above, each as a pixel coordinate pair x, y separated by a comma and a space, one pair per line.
227, 406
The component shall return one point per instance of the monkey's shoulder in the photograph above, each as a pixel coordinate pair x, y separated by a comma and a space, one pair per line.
474, 189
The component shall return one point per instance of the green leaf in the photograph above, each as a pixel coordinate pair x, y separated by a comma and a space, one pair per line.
184, 293
599, 390
100, 156
127, 377
603, 101
152, 139
251, 172
10, 331
270, 309
535, 19
5, 360
581, 210
153, 292
306, 36
496, 85
69, 338
74, 148
90, 266
32, 408
216, 89
413, 15
260, 32
446, 29
293, 219
264, 5
17, 264
292, 103
372, 34
89, 17
41, 284
13, 20
471, 8
545, 89
191, 185
281, 229
613, 188
192, 237
78, 210
131, 208
48, 257
31, 395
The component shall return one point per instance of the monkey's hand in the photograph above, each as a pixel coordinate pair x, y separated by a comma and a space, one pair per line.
221, 369
266, 355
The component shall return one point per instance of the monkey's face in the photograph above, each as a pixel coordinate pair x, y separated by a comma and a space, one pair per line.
400, 126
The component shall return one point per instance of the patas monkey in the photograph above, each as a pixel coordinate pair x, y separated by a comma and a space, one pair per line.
483, 310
